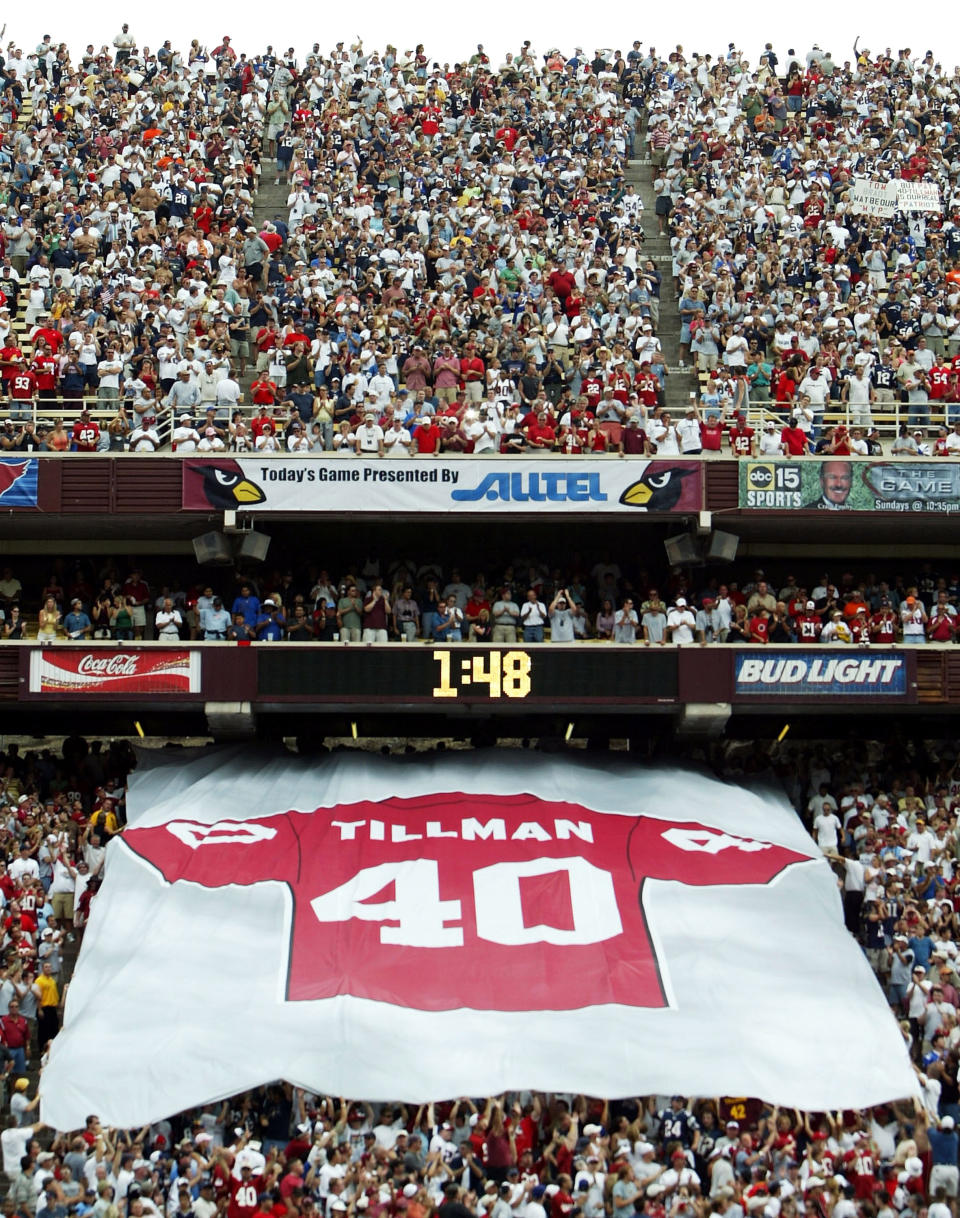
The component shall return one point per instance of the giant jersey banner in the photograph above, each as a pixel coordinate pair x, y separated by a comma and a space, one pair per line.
441, 484
377, 927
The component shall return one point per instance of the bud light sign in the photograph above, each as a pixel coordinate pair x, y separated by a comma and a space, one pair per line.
804, 674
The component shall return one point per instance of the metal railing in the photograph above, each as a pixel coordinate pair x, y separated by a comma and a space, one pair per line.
43, 412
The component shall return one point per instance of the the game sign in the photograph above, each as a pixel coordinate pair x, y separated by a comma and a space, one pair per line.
842, 485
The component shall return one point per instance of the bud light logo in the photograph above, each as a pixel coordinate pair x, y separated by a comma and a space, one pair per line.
806, 674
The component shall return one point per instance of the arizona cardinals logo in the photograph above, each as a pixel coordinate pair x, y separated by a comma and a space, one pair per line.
226, 486
18, 483
659, 490
11, 472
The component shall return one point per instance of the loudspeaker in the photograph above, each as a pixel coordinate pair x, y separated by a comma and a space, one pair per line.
722, 547
682, 550
212, 548
254, 546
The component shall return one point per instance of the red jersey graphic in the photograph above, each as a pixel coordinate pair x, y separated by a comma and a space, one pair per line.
455, 900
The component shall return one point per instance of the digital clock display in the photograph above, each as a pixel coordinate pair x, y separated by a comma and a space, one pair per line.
503, 674
557, 676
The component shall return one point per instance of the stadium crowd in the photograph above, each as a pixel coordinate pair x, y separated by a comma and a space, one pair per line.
459, 264
886, 818
783, 278
526, 600
463, 233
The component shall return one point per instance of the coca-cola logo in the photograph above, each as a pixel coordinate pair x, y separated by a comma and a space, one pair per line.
120, 665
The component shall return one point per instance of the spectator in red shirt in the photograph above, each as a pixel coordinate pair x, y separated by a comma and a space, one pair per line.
540, 432
633, 439
741, 438
86, 433
760, 628
794, 439
263, 391
884, 624
10, 357
44, 333
472, 373
477, 602
44, 367
711, 433
427, 437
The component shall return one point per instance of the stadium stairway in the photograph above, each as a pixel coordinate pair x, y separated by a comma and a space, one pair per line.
19, 318
270, 202
680, 381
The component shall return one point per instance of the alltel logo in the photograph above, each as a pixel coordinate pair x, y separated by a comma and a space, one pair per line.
108, 666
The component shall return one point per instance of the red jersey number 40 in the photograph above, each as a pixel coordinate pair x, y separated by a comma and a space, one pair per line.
508, 903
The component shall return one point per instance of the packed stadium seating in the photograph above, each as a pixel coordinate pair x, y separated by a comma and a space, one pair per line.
362, 252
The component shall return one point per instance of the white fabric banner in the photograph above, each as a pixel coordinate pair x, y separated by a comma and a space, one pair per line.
441, 484
883, 199
873, 198
918, 196
359, 926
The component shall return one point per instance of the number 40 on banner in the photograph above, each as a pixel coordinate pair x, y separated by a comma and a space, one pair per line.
421, 917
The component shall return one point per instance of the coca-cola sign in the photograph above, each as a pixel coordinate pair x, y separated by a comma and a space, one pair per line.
109, 666
70, 670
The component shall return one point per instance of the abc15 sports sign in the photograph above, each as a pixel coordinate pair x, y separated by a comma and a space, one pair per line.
771, 484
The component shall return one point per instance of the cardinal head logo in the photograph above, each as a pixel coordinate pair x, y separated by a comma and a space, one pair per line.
658, 490
226, 487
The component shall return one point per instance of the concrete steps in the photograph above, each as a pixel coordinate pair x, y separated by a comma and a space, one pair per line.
269, 202
680, 381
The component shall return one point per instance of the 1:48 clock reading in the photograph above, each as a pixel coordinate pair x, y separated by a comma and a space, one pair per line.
505, 673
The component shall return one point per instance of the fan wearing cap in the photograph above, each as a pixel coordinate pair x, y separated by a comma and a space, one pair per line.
741, 437
771, 444
11, 361
85, 437
944, 1146
913, 620
76, 623
678, 1124
215, 620
185, 436
246, 1187
681, 623
268, 441
884, 624
271, 626
808, 623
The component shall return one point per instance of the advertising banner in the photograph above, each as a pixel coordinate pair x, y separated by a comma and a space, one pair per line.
836, 484
106, 671
440, 484
803, 674
531, 910
18, 482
